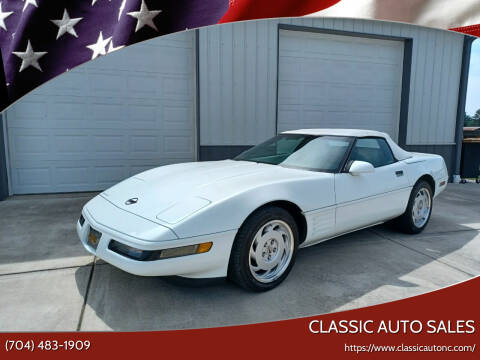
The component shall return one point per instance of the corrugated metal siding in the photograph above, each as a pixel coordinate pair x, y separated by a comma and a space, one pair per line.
238, 83
238, 65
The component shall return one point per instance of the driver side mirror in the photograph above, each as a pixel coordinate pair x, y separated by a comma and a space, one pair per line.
360, 167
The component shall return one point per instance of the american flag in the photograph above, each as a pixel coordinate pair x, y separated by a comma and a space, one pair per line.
40, 39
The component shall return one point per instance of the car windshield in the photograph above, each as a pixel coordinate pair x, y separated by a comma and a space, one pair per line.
318, 153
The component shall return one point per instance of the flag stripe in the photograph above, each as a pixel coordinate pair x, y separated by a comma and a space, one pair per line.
248, 9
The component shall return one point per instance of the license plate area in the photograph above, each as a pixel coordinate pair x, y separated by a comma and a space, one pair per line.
93, 238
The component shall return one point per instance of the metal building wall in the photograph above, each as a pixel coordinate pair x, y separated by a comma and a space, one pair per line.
238, 79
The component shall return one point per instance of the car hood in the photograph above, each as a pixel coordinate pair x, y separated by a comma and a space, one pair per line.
169, 194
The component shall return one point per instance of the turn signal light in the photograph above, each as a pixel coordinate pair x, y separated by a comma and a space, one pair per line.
185, 250
204, 247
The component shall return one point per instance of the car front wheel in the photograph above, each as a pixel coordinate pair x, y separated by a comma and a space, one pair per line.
264, 250
419, 209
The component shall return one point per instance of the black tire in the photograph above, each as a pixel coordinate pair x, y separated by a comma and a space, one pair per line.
239, 266
405, 222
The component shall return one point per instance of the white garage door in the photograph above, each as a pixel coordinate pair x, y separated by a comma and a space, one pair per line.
333, 81
107, 120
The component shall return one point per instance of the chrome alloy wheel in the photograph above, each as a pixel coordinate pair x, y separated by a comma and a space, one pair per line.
421, 207
271, 251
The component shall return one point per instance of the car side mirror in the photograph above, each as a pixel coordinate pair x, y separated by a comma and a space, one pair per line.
360, 167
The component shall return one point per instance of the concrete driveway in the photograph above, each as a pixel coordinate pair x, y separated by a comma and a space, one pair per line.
49, 282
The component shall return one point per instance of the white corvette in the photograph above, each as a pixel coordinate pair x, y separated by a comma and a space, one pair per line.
245, 218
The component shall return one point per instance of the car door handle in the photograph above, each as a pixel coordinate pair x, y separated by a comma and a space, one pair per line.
399, 173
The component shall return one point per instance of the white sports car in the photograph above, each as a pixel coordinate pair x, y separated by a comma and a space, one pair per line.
245, 218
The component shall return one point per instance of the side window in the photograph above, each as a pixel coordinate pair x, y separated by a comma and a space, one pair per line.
373, 150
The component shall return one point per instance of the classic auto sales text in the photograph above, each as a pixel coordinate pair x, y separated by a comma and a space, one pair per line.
392, 326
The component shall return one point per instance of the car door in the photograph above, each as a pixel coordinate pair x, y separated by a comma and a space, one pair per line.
369, 198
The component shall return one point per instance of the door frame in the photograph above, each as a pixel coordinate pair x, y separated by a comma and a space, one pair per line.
406, 70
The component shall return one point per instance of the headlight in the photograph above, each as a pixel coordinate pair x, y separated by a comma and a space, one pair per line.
152, 255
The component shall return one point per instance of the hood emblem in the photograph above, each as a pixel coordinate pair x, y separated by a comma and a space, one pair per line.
131, 201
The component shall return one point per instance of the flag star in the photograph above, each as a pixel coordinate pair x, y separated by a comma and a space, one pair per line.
144, 17
66, 25
99, 47
111, 48
3, 16
29, 2
29, 57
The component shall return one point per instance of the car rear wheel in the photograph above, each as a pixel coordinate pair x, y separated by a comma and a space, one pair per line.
264, 250
419, 209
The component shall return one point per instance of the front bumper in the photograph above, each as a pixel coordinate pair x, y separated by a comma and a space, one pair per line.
213, 263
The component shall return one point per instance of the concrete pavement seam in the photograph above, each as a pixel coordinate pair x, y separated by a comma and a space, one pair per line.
85, 299
41, 270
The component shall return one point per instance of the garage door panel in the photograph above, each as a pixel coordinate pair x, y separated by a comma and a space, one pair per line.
75, 84
313, 116
315, 94
35, 177
106, 120
289, 67
288, 117
177, 118
50, 177
66, 113
29, 109
71, 175
177, 146
144, 145
63, 145
176, 87
337, 81
362, 97
31, 145
106, 176
143, 85
70, 144
108, 84
288, 92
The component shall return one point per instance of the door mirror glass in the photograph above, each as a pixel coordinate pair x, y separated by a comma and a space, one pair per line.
360, 167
